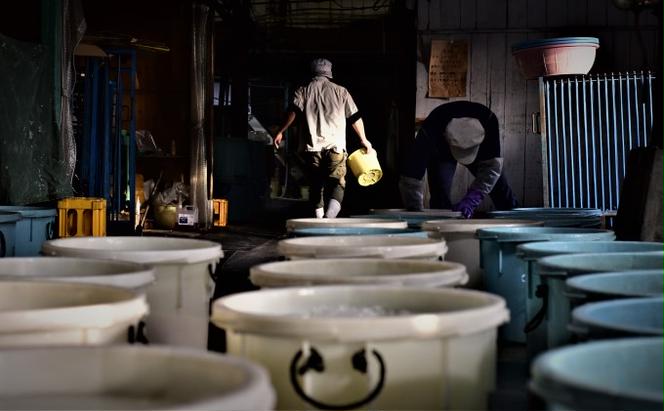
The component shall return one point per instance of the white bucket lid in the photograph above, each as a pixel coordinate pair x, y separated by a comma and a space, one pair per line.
77, 270
27, 306
146, 250
297, 312
470, 226
296, 223
131, 377
359, 271
359, 246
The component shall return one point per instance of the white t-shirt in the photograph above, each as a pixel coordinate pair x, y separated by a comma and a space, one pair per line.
326, 106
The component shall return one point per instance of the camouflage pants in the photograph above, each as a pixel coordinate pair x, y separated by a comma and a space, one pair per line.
327, 174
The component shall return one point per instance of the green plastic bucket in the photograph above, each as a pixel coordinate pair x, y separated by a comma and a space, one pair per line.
36, 225
613, 285
555, 270
505, 273
628, 317
8, 233
555, 217
532, 252
622, 374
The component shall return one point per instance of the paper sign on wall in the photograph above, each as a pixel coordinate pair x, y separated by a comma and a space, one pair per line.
448, 68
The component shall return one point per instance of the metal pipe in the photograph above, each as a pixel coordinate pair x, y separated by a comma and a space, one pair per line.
601, 144
622, 124
571, 143
615, 138
592, 139
555, 123
585, 140
629, 110
651, 103
636, 110
646, 127
548, 140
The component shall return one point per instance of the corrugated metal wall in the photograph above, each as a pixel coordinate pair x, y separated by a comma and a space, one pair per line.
492, 26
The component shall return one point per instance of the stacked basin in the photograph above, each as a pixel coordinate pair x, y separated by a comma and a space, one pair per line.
415, 219
555, 217
506, 275
8, 223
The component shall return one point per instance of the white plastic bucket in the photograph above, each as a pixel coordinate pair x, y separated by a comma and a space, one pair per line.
370, 246
359, 271
131, 378
133, 276
415, 219
463, 246
179, 299
36, 313
371, 347
623, 374
296, 223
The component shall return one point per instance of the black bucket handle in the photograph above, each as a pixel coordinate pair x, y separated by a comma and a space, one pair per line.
315, 361
542, 292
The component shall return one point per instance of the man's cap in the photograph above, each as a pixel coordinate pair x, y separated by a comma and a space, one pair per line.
464, 136
322, 67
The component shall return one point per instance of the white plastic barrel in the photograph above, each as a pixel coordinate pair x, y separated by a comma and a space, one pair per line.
359, 271
296, 223
370, 347
130, 378
123, 274
36, 313
376, 246
463, 246
179, 299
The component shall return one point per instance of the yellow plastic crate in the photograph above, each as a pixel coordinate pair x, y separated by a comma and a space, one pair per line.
219, 212
82, 217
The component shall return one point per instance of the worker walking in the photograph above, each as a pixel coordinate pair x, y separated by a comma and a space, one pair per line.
327, 107
463, 132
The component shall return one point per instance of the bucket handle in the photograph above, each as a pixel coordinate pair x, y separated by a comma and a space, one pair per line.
3, 245
50, 231
542, 292
315, 362
136, 335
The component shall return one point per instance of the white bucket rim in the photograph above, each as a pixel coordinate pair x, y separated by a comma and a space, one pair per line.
425, 325
190, 251
472, 225
125, 306
342, 246
127, 274
428, 273
428, 212
255, 386
296, 223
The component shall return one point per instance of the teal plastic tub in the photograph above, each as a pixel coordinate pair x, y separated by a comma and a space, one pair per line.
622, 374
555, 217
614, 285
629, 317
415, 219
36, 225
554, 272
505, 274
327, 231
532, 252
8, 233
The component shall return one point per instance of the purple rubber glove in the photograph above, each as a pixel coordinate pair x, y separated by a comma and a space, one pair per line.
469, 203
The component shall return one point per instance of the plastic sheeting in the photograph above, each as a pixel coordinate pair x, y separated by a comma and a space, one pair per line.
73, 28
32, 162
201, 60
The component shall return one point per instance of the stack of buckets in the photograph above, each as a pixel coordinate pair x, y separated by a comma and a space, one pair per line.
588, 308
74, 323
366, 314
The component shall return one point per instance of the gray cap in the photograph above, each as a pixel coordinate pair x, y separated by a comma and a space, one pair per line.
322, 67
464, 136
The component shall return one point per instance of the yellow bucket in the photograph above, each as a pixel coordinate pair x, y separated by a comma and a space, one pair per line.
365, 167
